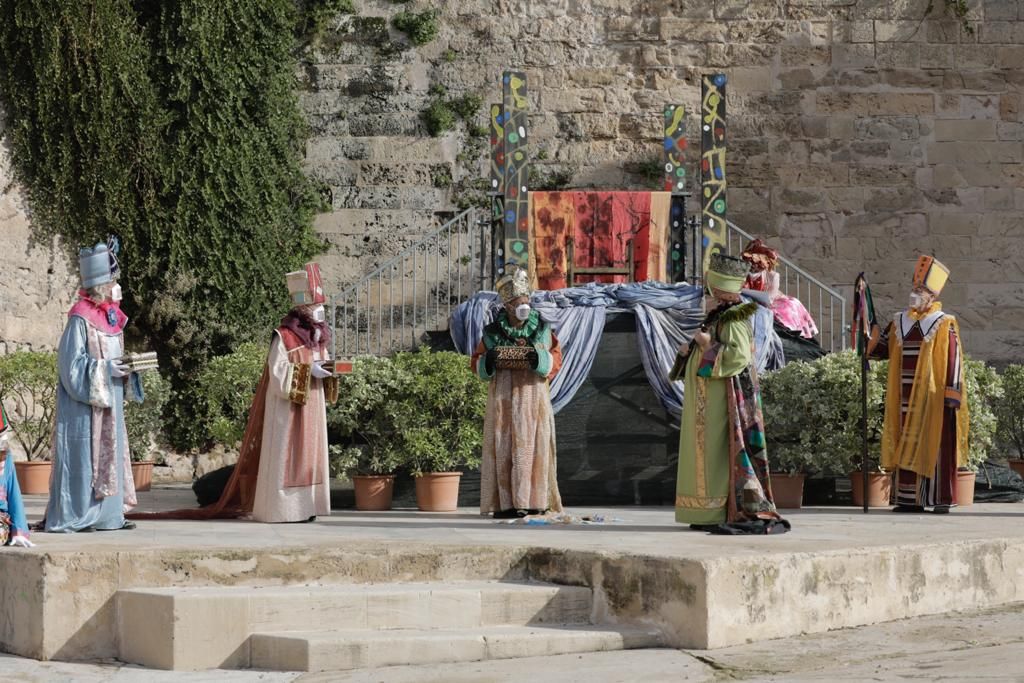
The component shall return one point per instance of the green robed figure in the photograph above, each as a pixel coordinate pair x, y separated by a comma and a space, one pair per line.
723, 482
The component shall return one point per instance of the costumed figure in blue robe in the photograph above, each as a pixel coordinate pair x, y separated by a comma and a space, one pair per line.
13, 525
91, 486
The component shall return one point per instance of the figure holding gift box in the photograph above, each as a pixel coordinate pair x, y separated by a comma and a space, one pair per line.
518, 354
91, 486
282, 467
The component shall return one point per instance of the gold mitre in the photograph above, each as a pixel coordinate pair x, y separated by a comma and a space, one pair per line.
513, 284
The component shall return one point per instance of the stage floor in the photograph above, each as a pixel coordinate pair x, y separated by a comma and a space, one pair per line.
837, 568
641, 531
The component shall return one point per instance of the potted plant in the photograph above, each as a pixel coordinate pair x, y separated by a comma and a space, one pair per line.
28, 387
443, 409
368, 419
143, 422
1009, 412
812, 416
985, 393
372, 474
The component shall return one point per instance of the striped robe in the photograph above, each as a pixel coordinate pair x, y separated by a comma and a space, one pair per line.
940, 487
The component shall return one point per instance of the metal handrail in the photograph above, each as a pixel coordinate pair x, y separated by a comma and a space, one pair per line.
414, 292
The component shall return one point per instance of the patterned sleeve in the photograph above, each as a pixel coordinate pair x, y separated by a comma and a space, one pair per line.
549, 354
954, 371
84, 378
731, 353
478, 363
880, 349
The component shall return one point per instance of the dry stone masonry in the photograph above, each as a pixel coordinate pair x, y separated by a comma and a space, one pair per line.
861, 133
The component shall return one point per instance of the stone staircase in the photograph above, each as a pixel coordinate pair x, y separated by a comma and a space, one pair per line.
353, 626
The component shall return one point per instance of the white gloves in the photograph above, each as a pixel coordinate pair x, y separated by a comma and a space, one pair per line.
22, 542
119, 369
318, 371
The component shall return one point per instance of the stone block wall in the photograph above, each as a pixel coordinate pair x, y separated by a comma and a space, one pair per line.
862, 132
36, 284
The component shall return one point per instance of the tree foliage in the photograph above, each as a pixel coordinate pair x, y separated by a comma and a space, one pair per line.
174, 125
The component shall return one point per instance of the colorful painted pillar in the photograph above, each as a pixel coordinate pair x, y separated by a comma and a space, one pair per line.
516, 206
497, 190
675, 182
712, 166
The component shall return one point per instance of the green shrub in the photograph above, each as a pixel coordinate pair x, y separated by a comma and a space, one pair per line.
421, 27
226, 387
984, 394
1009, 410
176, 126
28, 387
367, 414
812, 415
316, 15
443, 410
144, 421
466, 106
439, 117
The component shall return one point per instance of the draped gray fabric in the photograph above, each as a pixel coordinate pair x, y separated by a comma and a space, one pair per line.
667, 315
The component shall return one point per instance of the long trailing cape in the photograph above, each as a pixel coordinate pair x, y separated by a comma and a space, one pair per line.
239, 494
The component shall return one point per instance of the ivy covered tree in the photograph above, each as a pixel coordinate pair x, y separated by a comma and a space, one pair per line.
173, 124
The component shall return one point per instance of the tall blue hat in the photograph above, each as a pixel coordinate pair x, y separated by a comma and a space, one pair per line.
98, 265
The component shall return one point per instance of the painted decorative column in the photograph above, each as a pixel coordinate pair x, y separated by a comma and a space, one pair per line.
516, 224
497, 190
675, 182
712, 165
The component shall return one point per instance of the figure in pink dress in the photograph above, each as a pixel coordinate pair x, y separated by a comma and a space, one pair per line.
764, 278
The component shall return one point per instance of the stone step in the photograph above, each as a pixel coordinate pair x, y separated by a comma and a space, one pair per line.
205, 627
344, 650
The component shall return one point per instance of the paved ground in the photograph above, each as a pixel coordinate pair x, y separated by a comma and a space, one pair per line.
978, 646
642, 531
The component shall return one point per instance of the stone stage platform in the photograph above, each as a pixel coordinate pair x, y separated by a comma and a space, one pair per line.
837, 568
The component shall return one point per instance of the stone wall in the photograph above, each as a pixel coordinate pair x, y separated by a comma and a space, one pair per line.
861, 131
36, 286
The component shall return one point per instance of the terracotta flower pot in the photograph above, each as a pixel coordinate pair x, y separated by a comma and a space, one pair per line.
1017, 465
879, 489
965, 488
373, 492
142, 473
788, 490
33, 476
438, 491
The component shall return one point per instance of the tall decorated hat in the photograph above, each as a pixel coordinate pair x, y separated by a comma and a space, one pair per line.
98, 265
305, 286
930, 274
513, 285
727, 273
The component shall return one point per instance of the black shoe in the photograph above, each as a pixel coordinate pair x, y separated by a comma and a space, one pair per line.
908, 508
312, 519
506, 514
941, 510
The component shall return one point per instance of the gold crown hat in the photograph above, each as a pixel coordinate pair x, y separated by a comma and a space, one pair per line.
513, 285
930, 274
727, 273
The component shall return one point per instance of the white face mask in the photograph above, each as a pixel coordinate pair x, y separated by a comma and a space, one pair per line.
115, 293
319, 315
917, 300
523, 311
